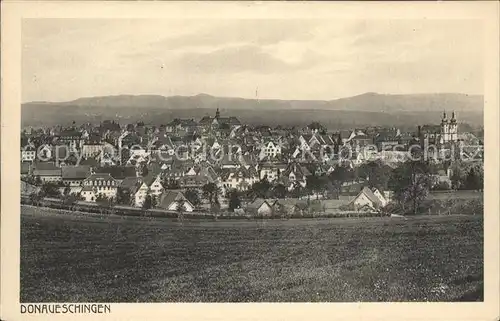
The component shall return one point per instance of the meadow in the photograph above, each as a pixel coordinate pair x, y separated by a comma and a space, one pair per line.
92, 258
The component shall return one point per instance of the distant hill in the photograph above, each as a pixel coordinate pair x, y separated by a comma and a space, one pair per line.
365, 109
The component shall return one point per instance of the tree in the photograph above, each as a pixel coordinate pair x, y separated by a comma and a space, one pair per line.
70, 200
193, 196
261, 189
474, 180
279, 210
124, 155
104, 202
51, 190
123, 196
35, 198
297, 190
279, 191
376, 173
144, 170
148, 202
338, 176
411, 183
180, 209
234, 200
211, 192
67, 190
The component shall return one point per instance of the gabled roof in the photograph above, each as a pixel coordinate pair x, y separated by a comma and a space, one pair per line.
150, 178
132, 184
369, 194
169, 197
257, 203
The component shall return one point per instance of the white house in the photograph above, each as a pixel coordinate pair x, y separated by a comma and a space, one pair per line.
380, 196
271, 171
153, 182
88, 194
366, 199
91, 150
270, 149
103, 184
260, 207
240, 179
28, 153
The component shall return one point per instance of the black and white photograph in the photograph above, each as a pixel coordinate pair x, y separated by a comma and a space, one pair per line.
261, 159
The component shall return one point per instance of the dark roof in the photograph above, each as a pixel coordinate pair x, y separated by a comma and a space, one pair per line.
168, 197
70, 133
257, 203
25, 167
75, 172
117, 172
91, 161
131, 181
45, 166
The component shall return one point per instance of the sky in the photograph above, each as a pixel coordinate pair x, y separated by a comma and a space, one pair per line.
65, 59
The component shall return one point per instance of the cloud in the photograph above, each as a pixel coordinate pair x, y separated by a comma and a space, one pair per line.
231, 32
63, 59
237, 59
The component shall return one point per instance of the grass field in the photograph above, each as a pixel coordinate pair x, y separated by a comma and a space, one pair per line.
129, 259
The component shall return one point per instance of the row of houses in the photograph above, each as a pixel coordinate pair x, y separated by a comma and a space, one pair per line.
366, 200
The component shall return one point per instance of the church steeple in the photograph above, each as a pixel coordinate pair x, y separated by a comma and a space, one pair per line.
217, 114
444, 120
453, 119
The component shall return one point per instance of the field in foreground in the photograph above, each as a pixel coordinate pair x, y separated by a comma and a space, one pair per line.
83, 258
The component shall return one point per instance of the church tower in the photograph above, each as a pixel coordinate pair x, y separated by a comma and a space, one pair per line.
217, 114
453, 128
444, 128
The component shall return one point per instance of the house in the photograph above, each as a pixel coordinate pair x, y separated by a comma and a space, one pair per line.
102, 184
74, 175
387, 140
91, 149
48, 172
171, 200
271, 171
296, 173
135, 187
381, 196
351, 188
119, 173
153, 182
71, 138
270, 149
88, 194
365, 200
260, 207
193, 181
187, 125
28, 153
240, 179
